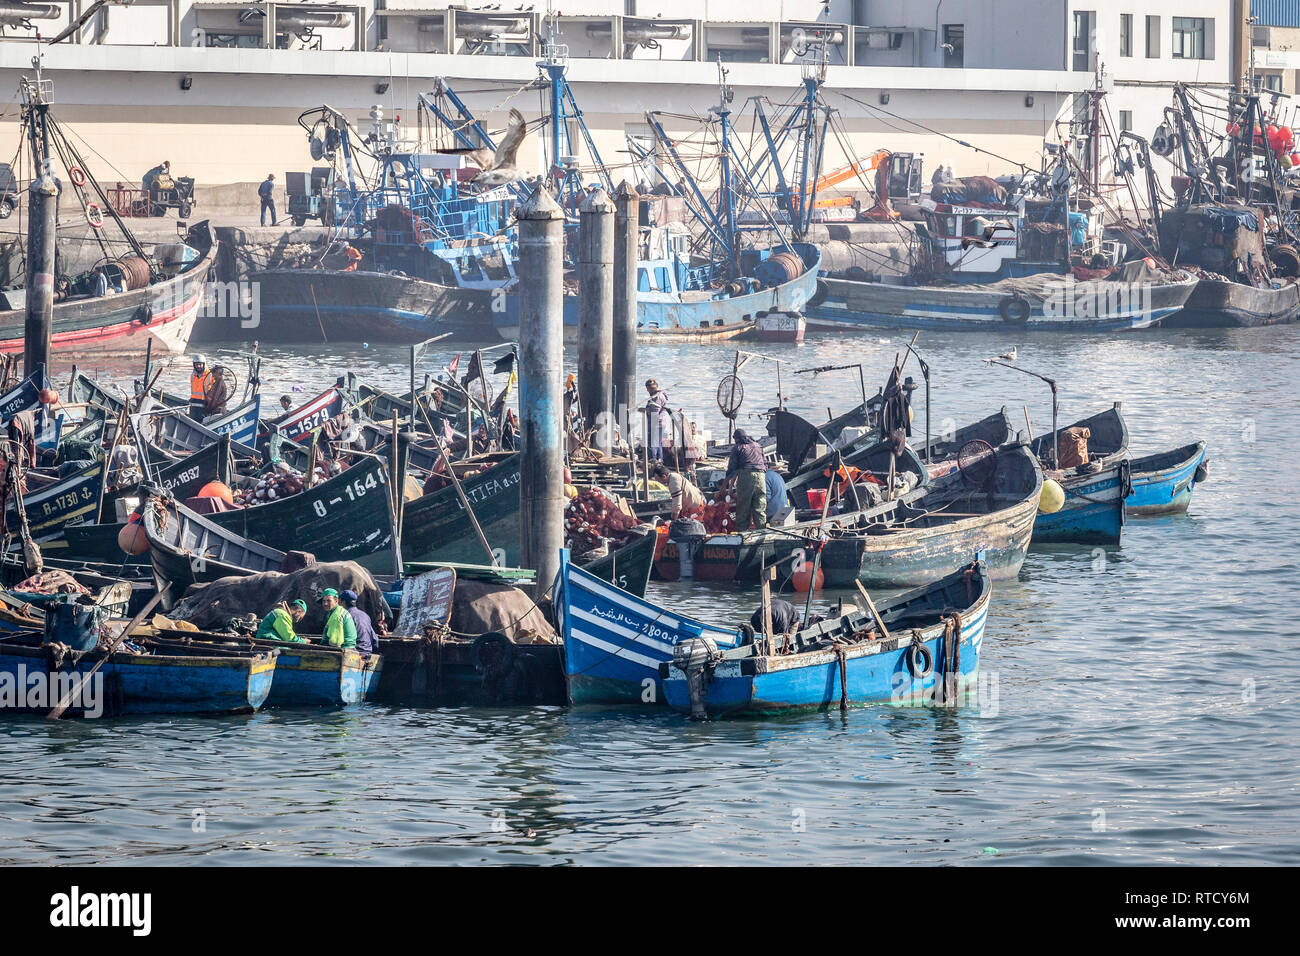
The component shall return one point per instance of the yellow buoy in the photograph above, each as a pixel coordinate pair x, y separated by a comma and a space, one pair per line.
1052, 498
570, 491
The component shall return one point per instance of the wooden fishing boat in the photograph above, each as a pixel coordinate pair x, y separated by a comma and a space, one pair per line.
26, 397
240, 424
1093, 512
185, 548
614, 641
298, 423
867, 454
175, 433
63, 502
199, 680
162, 312
941, 453
1163, 483
931, 655
435, 528
348, 517
1220, 303
306, 675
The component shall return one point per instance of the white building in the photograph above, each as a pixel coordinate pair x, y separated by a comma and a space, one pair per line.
216, 87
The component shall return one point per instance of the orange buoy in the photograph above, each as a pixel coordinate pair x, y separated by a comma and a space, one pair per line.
131, 538
801, 578
216, 489
49, 396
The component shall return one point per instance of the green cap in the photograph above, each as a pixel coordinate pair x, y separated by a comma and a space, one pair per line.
329, 592
299, 603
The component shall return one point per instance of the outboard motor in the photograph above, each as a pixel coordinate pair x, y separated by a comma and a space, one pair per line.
686, 533
696, 658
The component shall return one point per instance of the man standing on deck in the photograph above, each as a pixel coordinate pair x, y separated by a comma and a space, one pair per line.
267, 193
279, 624
659, 420
367, 642
200, 381
340, 630
747, 464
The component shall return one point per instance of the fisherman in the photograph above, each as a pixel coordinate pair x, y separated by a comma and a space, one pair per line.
286, 402
774, 486
340, 630
785, 618
937, 178
200, 381
659, 420
367, 642
948, 177
687, 499
267, 193
747, 464
161, 171
101, 282
279, 624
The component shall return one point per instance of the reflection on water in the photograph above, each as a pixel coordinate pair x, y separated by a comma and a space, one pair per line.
1145, 707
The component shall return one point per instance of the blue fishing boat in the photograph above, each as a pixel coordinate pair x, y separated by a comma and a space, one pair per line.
306, 675
1093, 512
240, 424
927, 652
179, 681
1163, 483
614, 642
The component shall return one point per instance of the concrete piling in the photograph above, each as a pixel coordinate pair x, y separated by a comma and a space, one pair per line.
596, 315
541, 371
625, 255
42, 197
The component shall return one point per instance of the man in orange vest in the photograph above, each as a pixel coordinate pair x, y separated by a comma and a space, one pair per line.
200, 381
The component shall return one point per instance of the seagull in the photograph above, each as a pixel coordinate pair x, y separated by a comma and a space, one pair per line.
1009, 356
502, 169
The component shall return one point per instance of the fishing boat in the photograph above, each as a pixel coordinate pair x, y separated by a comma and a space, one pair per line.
298, 423
185, 548
927, 652
174, 433
941, 453
1163, 483
158, 295
436, 528
174, 680
614, 641
59, 502
1093, 512
306, 674
1135, 296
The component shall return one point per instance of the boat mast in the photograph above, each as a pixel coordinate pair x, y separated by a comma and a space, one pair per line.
723, 109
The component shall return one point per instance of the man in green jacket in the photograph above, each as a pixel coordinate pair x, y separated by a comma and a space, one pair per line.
278, 625
340, 629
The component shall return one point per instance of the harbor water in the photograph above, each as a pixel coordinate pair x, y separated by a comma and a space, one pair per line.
1138, 704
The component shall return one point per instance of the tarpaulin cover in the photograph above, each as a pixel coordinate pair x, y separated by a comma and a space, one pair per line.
210, 607
970, 190
479, 607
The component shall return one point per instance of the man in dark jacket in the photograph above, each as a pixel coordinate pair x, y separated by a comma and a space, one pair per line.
367, 643
747, 465
267, 193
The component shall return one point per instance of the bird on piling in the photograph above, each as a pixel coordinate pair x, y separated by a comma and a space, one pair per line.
1005, 356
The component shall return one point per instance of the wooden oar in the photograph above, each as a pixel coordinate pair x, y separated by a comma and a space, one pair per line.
871, 606
131, 625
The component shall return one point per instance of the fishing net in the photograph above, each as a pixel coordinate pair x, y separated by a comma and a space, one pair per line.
731, 393
978, 463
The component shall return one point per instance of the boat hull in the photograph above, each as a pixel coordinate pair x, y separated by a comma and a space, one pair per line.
1163, 483
1093, 512
160, 684
125, 324
614, 642
1217, 303
876, 672
851, 304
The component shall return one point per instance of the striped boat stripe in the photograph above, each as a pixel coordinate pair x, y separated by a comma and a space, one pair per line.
615, 650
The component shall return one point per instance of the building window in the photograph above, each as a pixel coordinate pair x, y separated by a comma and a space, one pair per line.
1153, 38
1083, 20
1189, 38
1126, 34
954, 44
1125, 121
1273, 81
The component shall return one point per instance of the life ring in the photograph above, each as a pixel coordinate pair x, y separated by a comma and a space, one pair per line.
821, 294
1014, 309
920, 662
77, 175
143, 314
94, 216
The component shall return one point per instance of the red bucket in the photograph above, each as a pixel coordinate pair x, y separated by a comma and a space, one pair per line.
817, 498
